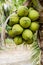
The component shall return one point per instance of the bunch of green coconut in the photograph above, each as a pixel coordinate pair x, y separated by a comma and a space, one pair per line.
24, 23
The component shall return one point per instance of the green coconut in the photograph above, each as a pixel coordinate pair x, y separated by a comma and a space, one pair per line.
25, 22
18, 40
22, 11
30, 41
14, 19
17, 29
34, 26
34, 15
27, 34
11, 33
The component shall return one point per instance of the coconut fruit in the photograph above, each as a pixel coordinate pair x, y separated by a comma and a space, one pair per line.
34, 15
30, 41
27, 34
14, 19
34, 26
17, 29
18, 40
10, 23
25, 22
22, 11
11, 33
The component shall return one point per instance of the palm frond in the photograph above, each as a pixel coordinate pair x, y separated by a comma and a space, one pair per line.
35, 51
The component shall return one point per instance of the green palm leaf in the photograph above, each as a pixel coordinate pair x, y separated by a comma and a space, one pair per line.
35, 51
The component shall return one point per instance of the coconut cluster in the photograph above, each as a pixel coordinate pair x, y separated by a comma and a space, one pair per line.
23, 25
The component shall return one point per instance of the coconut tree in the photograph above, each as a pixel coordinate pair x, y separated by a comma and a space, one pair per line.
12, 7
